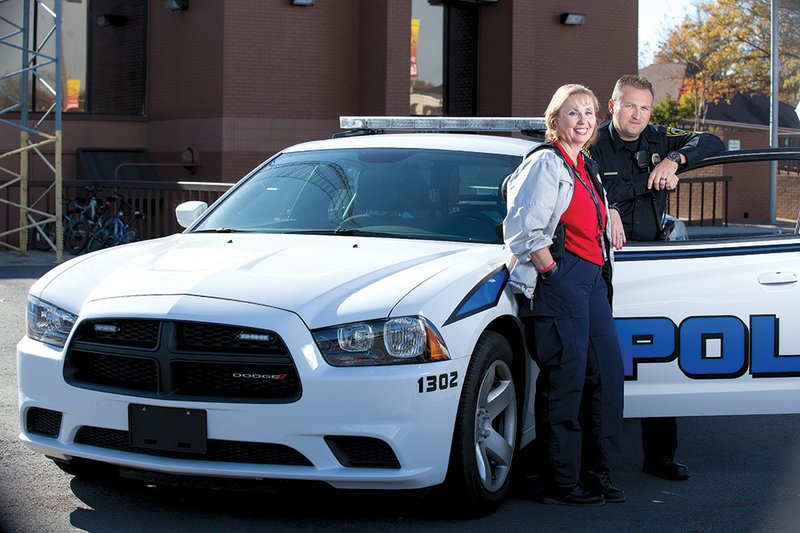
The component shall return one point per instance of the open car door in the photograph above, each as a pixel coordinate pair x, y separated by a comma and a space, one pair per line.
712, 326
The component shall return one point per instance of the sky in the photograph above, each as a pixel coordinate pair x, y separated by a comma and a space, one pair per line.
656, 18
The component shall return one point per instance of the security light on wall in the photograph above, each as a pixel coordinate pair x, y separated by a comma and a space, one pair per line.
573, 19
177, 5
302, 2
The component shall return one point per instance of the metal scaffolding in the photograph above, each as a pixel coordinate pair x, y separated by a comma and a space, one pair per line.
42, 138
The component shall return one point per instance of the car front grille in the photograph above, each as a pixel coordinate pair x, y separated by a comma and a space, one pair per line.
182, 361
216, 450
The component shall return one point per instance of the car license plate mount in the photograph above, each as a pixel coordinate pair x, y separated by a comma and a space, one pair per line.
167, 428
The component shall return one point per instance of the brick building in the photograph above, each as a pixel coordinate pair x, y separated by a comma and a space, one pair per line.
238, 81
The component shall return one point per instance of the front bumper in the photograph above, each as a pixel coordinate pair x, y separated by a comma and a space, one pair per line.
375, 403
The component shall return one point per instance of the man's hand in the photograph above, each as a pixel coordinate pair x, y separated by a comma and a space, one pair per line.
617, 232
663, 176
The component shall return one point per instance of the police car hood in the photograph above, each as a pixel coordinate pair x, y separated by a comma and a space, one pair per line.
323, 279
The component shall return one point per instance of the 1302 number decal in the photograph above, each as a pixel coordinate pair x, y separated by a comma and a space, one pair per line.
435, 382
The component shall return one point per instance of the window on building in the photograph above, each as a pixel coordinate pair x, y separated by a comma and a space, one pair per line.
427, 23
73, 29
116, 57
103, 56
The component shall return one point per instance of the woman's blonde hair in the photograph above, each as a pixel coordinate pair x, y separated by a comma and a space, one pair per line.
562, 94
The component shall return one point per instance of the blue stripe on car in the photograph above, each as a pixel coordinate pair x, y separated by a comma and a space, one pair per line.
484, 295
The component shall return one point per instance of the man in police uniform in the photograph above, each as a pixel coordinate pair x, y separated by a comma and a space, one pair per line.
638, 164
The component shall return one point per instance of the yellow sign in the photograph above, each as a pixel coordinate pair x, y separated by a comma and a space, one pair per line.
73, 95
414, 38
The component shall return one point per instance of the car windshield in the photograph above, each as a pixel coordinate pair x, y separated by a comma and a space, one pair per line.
416, 194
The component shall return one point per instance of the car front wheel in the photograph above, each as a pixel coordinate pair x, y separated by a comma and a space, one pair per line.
485, 438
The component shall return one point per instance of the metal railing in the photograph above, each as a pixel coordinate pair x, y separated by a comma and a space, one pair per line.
694, 211
698, 201
791, 167
155, 199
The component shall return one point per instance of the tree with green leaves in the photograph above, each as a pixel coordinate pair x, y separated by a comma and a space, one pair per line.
725, 48
671, 112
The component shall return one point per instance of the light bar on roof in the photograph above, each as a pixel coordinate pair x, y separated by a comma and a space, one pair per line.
444, 123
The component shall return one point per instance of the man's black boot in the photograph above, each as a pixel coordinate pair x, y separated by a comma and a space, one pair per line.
666, 468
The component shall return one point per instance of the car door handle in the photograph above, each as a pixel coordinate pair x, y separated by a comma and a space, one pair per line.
777, 278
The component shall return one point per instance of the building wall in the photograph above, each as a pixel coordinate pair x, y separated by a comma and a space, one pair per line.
525, 53
274, 74
241, 80
749, 191
289, 72
286, 72
788, 207
185, 87
748, 195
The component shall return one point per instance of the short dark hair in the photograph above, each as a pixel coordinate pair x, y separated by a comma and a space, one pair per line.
631, 80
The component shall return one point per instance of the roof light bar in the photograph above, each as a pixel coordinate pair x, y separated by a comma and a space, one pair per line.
444, 123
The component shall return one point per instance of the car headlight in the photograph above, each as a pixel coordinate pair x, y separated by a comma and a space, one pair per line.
381, 342
47, 323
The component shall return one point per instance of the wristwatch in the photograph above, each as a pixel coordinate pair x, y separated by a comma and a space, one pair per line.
674, 156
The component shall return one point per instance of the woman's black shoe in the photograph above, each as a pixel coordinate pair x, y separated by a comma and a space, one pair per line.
571, 495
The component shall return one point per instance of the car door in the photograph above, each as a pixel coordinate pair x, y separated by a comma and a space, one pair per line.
711, 325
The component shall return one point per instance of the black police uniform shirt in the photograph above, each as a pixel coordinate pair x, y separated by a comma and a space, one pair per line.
626, 166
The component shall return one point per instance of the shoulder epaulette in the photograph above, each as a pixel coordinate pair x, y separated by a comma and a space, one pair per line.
677, 132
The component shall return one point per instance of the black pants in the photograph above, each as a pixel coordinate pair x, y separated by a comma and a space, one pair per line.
659, 438
579, 391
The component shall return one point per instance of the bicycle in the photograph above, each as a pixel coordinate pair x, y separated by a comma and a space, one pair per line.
77, 220
113, 231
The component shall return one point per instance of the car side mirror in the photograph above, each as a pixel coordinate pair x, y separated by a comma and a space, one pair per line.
187, 212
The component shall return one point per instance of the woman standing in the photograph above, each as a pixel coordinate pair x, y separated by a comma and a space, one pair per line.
565, 302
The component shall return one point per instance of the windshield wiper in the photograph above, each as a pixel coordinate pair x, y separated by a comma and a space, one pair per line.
342, 232
348, 231
369, 233
221, 230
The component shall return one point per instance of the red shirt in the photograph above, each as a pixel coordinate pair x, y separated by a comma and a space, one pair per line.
584, 233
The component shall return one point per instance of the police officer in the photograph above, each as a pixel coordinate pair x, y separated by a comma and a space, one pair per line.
638, 162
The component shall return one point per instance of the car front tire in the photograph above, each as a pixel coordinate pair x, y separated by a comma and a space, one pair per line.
485, 438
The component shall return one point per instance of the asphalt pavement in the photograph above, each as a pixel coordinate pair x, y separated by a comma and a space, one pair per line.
745, 477
29, 266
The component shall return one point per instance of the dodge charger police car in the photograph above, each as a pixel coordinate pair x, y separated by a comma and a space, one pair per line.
342, 314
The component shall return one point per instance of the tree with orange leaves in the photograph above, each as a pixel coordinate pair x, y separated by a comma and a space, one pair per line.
725, 47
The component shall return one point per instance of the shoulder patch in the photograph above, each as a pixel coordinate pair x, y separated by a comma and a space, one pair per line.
676, 132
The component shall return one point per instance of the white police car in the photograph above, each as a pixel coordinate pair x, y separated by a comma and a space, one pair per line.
342, 315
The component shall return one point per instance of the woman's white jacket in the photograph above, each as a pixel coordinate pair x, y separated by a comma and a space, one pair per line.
537, 194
